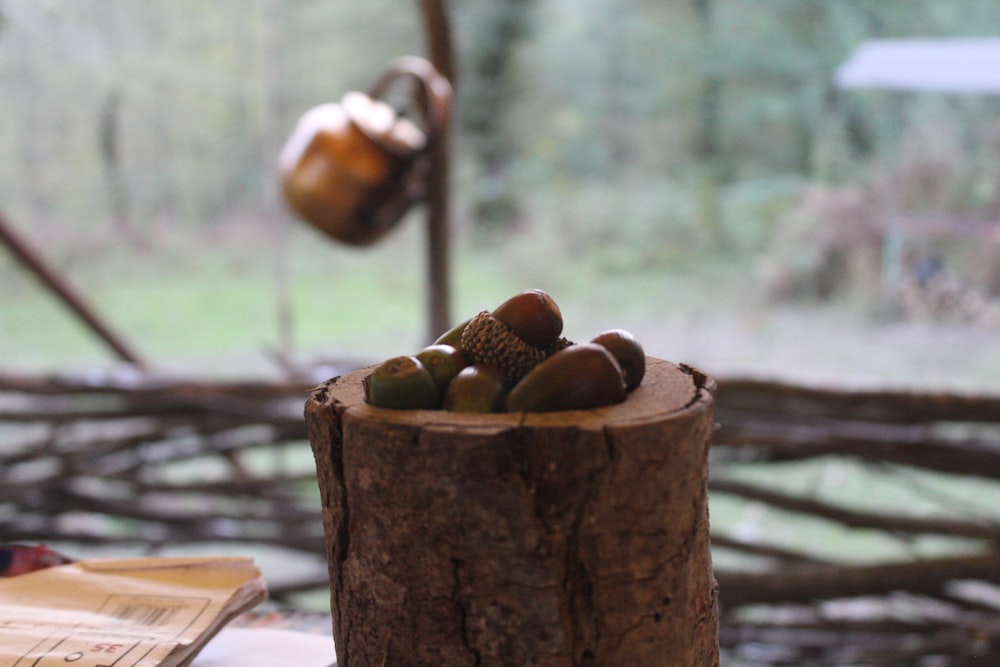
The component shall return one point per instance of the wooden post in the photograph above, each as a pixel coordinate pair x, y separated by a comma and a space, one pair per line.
437, 26
575, 538
73, 300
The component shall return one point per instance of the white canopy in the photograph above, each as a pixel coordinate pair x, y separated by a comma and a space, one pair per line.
964, 65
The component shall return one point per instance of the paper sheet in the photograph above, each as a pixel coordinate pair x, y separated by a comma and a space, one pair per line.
142, 612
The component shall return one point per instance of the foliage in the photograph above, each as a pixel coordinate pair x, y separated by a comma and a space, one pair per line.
490, 81
567, 90
639, 137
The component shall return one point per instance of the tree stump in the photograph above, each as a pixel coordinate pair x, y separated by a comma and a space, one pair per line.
576, 538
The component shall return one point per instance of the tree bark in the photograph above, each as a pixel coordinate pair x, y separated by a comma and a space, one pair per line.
575, 538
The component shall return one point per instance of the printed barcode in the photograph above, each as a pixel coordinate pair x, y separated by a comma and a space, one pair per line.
145, 614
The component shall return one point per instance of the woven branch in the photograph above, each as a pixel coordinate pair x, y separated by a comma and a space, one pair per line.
890, 407
811, 583
889, 523
769, 439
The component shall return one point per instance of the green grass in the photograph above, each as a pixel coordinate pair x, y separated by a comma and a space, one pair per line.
629, 254
202, 302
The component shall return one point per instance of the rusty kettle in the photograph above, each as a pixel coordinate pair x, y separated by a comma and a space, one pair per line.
352, 169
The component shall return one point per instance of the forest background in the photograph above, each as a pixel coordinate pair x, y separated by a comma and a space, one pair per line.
687, 170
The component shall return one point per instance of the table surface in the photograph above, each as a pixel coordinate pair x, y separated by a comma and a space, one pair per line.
285, 619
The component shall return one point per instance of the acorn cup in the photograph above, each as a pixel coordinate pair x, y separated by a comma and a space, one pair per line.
352, 169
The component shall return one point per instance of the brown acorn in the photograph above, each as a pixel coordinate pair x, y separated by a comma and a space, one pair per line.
628, 352
477, 389
533, 316
580, 377
521, 332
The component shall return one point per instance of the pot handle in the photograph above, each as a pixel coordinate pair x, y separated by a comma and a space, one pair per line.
433, 94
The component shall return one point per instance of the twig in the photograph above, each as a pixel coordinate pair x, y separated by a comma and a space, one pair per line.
890, 523
810, 583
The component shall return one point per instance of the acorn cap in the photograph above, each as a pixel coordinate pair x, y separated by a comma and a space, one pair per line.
488, 341
561, 344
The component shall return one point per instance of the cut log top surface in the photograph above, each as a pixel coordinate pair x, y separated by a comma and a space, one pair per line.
668, 389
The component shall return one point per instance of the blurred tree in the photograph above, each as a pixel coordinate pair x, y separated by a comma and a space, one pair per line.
701, 94
489, 90
110, 150
706, 142
707, 133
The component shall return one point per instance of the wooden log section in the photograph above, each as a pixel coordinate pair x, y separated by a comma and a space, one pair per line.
576, 538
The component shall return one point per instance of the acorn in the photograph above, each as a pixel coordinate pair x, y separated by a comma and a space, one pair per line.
533, 316
514, 337
627, 352
402, 383
443, 361
453, 336
580, 377
477, 389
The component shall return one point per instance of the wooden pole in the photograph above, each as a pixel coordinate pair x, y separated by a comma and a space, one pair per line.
576, 538
437, 27
75, 302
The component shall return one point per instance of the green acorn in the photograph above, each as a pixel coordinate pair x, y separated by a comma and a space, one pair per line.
402, 383
477, 389
453, 336
443, 362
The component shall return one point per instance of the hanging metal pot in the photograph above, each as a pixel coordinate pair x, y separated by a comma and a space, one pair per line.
352, 169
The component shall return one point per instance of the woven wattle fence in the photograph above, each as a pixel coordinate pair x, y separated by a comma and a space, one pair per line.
144, 463
824, 603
